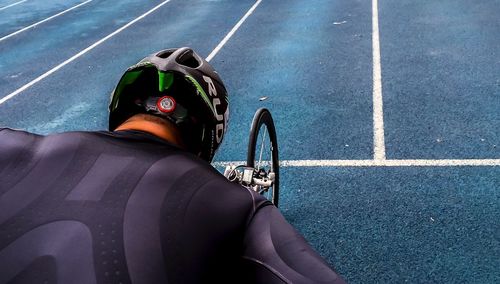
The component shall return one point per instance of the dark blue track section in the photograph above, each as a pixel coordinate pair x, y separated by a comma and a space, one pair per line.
400, 225
441, 78
315, 74
78, 94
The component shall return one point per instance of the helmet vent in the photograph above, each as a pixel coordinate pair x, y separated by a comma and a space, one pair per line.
165, 54
188, 59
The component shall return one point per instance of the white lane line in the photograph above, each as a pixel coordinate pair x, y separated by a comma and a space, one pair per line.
13, 4
378, 110
233, 30
43, 21
378, 163
48, 73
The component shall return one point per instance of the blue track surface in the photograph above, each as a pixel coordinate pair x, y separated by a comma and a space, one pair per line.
398, 225
77, 96
442, 84
316, 75
313, 61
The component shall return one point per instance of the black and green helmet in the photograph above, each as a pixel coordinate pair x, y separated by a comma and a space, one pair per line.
178, 85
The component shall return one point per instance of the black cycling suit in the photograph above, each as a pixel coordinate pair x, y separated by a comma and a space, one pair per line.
127, 207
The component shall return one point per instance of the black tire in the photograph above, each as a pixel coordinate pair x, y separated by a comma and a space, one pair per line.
263, 117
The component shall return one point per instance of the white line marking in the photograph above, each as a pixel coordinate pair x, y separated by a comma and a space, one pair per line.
43, 21
13, 4
378, 163
233, 30
48, 73
378, 110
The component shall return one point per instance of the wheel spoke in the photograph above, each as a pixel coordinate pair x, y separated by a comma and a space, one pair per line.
262, 147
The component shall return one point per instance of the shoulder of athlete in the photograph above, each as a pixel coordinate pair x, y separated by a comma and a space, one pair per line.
238, 194
8, 129
15, 133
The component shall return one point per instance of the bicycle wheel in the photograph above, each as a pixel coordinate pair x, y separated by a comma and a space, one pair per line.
263, 142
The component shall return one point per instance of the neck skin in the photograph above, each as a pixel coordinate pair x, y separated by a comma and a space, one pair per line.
156, 126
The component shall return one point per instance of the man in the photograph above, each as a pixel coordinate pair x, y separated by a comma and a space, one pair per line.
140, 204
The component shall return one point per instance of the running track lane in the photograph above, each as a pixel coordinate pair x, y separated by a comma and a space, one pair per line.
76, 96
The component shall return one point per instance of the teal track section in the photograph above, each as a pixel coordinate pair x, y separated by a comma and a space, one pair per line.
27, 13
76, 97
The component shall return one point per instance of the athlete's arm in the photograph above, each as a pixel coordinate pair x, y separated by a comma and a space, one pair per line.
274, 252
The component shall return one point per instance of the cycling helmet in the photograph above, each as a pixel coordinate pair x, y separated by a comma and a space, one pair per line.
180, 86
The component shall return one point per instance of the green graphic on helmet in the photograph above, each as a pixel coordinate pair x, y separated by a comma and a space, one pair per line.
165, 80
202, 93
189, 82
127, 79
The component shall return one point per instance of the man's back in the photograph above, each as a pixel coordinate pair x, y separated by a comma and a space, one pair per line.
100, 207
78, 197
